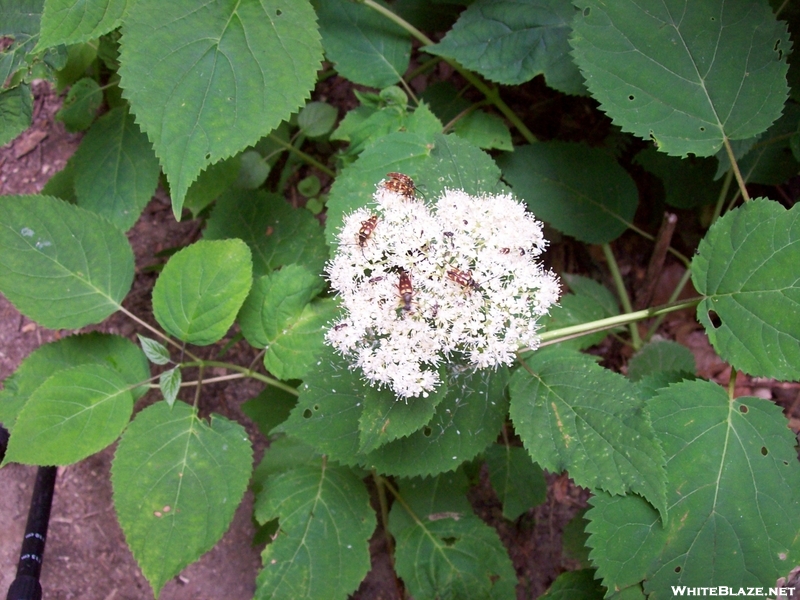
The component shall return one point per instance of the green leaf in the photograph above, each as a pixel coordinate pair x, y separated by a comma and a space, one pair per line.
212, 182
746, 266
513, 41
328, 417
575, 585
285, 454
732, 495
366, 47
71, 22
278, 315
276, 233
80, 106
573, 542
60, 265
579, 190
442, 549
19, 20
79, 59
205, 84
116, 172
688, 182
253, 172
518, 481
661, 355
170, 384
576, 416
317, 118
155, 352
177, 481
16, 112
270, 408
73, 414
484, 130
111, 351
201, 289
322, 550
62, 184
655, 68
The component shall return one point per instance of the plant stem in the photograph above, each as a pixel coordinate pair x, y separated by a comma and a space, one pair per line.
574, 331
723, 193
622, 293
302, 155
492, 94
158, 333
245, 372
735, 168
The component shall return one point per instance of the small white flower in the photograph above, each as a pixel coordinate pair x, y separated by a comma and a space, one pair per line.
461, 282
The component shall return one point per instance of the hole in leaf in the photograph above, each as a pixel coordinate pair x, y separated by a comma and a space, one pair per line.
278, 12
426, 431
208, 155
716, 322
764, 451
743, 409
449, 541
631, 97
702, 128
678, 569
586, 12
307, 414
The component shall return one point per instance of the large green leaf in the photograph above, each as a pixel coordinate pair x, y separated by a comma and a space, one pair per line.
747, 269
365, 47
79, 109
71, 21
279, 316
16, 111
574, 415
201, 289
661, 356
733, 499
112, 351
685, 74
276, 233
73, 414
513, 41
19, 20
322, 548
575, 585
116, 172
442, 549
518, 481
579, 190
177, 482
61, 265
207, 81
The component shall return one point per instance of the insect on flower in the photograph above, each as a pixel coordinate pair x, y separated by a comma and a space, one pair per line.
405, 290
367, 227
464, 279
400, 184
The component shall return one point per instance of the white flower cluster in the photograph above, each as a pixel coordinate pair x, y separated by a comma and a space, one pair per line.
460, 281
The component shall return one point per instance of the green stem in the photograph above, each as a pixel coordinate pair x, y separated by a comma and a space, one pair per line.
158, 333
492, 94
574, 331
735, 167
622, 293
246, 372
302, 155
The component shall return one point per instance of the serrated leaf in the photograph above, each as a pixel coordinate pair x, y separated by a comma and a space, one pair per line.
322, 550
177, 481
61, 265
111, 351
746, 267
442, 549
19, 20
116, 172
579, 190
317, 118
276, 233
366, 47
278, 315
284, 454
518, 481
573, 542
732, 496
513, 41
467, 420
16, 112
574, 415
575, 585
170, 384
80, 106
203, 88
484, 130
71, 22
73, 414
655, 68
688, 182
155, 352
201, 289
661, 355
212, 182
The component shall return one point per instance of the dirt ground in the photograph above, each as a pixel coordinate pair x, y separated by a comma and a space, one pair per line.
86, 556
